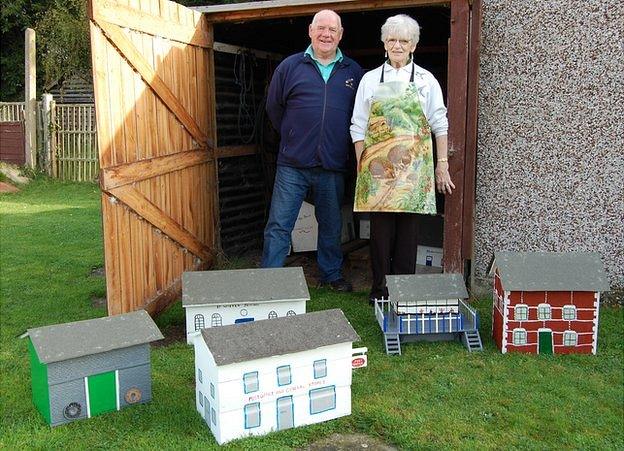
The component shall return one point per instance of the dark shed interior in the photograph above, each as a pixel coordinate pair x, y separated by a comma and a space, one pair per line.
243, 69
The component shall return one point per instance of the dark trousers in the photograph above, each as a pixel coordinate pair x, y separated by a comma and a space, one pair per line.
393, 243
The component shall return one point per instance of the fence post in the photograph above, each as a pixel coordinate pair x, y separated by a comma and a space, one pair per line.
30, 100
53, 138
46, 105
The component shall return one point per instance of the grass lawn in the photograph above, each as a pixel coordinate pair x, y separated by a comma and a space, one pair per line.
433, 396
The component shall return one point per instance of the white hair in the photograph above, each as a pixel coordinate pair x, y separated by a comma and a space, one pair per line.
325, 11
401, 26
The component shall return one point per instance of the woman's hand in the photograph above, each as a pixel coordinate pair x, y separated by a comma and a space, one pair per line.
444, 184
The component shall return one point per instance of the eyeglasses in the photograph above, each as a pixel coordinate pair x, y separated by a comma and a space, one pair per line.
323, 29
402, 42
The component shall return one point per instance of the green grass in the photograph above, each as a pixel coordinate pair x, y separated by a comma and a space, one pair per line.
433, 396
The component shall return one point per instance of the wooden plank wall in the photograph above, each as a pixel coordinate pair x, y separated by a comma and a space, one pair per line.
155, 117
12, 142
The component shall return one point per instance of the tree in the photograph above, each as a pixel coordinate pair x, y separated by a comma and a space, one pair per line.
62, 42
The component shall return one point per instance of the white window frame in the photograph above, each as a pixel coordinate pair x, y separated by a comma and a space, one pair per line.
318, 369
519, 332
284, 376
247, 413
321, 393
517, 309
199, 376
201, 398
212, 390
216, 320
272, 314
566, 335
199, 322
540, 309
291, 313
571, 308
247, 383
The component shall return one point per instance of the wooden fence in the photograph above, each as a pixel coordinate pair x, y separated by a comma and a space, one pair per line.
75, 142
67, 138
11, 111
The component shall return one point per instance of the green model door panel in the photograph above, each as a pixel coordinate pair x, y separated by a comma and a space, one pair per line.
102, 393
545, 342
39, 381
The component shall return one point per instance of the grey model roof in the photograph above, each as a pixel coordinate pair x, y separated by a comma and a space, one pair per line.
81, 338
550, 271
424, 287
243, 285
279, 336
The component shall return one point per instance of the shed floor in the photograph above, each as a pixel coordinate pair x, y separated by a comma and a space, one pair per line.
356, 268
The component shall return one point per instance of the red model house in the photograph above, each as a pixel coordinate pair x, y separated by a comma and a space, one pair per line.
547, 302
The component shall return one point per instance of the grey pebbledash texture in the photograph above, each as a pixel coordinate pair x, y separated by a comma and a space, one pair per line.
550, 163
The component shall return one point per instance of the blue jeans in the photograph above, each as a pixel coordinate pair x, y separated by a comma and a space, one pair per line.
289, 191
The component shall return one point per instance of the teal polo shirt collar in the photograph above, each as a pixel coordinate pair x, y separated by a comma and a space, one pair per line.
326, 70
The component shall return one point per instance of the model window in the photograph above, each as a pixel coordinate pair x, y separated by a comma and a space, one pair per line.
207, 409
216, 320
272, 314
322, 399
250, 381
201, 398
283, 375
543, 311
252, 415
199, 375
199, 322
519, 337
213, 415
320, 368
569, 312
521, 312
290, 313
212, 390
569, 338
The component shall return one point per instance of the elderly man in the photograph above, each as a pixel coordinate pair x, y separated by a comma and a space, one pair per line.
310, 101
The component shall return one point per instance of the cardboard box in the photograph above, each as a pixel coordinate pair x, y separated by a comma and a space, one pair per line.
305, 233
429, 256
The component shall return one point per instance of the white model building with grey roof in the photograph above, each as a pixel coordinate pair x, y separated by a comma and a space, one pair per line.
220, 298
265, 376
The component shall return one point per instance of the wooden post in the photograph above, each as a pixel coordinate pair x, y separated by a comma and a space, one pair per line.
46, 105
53, 139
457, 91
30, 99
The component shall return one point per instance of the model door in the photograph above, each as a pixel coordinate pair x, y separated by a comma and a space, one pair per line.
545, 342
285, 413
101, 393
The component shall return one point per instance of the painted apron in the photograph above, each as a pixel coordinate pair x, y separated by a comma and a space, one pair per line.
395, 172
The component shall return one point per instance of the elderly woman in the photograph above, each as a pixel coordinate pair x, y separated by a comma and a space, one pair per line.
397, 107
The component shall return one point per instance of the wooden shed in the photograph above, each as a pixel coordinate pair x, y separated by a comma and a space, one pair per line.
178, 167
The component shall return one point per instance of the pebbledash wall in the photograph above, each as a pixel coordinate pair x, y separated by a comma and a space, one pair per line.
550, 159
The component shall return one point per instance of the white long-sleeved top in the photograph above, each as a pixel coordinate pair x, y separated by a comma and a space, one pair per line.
429, 93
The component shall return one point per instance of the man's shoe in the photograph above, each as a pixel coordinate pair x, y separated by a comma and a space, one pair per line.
339, 285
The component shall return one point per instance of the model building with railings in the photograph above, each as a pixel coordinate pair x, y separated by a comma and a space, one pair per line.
427, 307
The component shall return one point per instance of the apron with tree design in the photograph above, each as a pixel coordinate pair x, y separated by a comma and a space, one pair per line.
395, 171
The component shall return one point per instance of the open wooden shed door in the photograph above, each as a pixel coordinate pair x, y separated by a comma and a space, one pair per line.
152, 62
463, 86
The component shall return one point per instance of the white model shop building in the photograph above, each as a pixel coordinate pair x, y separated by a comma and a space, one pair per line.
266, 376
220, 298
